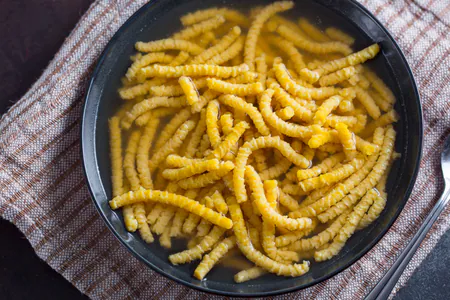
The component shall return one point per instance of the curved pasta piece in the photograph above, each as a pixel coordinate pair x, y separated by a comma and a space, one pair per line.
348, 229
256, 185
227, 54
326, 108
249, 274
254, 255
369, 182
141, 89
218, 48
141, 218
143, 151
173, 199
211, 259
256, 26
115, 150
199, 28
129, 160
190, 170
231, 139
286, 81
212, 123
259, 143
169, 130
172, 145
229, 14
131, 224
241, 105
193, 70
196, 136
146, 60
338, 76
234, 88
334, 65
205, 245
339, 35
207, 178
321, 238
311, 46
149, 104
289, 129
281, 96
325, 166
169, 44
312, 31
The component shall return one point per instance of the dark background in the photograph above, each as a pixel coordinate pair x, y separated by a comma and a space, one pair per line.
31, 32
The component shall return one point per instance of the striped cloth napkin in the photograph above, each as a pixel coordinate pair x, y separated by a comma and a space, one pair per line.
44, 193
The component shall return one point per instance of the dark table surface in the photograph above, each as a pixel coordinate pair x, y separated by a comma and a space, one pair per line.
31, 31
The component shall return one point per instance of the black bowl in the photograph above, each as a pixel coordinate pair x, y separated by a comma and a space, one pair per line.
158, 19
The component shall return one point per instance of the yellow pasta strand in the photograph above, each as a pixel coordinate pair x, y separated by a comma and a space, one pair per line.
338, 76
226, 123
189, 89
321, 238
249, 274
325, 166
211, 259
384, 120
346, 136
353, 59
326, 108
131, 224
212, 126
172, 199
172, 144
339, 35
195, 253
218, 48
380, 87
169, 44
115, 142
149, 104
286, 81
311, 46
312, 31
141, 218
143, 150
236, 89
219, 203
129, 161
190, 170
196, 136
207, 178
171, 128
290, 129
199, 28
254, 255
256, 26
266, 210
193, 70
131, 92
241, 105
348, 229
300, 111
231, 139
181, 58
200, 15
227, 54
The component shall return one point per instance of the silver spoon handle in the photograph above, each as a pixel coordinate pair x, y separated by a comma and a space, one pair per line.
384, 287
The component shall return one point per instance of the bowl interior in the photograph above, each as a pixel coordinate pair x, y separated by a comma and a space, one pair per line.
159, 19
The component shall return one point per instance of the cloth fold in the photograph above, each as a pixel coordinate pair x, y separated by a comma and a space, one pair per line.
44, 193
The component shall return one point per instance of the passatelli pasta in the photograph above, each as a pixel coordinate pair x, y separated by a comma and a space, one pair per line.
269, 137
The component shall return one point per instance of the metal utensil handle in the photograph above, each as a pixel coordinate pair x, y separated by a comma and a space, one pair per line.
384, 287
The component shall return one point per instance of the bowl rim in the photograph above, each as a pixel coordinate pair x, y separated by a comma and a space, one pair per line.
88, 169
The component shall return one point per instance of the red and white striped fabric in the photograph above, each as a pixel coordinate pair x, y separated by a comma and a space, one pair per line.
43, 191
